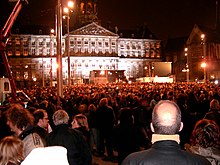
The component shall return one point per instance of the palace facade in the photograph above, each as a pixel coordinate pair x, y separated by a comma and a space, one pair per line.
92, 47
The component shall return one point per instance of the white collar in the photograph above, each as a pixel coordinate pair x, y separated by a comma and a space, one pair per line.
159, 137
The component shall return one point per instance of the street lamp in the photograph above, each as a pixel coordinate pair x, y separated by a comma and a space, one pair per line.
42, 72
187, 64
67, 10
59, 50
203, 65
51, 55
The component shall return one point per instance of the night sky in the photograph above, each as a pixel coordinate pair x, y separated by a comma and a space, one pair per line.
165, 18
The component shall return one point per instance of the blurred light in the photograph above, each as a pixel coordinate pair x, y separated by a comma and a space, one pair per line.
70, 4
57, 66
216, 82
102, 72
185, 70
203, 65
66, 10
212, 76
202, 36
52, 31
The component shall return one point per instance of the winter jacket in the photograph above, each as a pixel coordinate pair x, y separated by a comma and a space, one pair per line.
166, 152
78, 152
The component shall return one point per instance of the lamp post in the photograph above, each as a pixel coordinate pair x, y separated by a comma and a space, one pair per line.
51, 55
67, 11
204, 65
187, 64
42, 72
59, 50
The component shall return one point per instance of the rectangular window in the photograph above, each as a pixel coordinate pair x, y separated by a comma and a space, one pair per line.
17, 53
93, 43
25, 52
41, 43
33, 51
9, 53
17, 41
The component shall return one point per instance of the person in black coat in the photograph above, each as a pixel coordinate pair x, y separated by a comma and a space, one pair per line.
166, 123
105, 121
127, 137
78, 151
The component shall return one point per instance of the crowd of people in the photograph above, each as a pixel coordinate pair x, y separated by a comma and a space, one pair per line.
102, 119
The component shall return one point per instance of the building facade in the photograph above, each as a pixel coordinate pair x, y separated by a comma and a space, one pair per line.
33, 57
189, 54
203, 47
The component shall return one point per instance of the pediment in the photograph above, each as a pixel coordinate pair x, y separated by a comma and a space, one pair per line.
93, 29
194, 35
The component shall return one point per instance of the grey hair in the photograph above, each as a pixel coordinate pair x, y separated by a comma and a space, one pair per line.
60, 117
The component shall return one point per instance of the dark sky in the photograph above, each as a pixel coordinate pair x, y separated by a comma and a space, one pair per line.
165, 18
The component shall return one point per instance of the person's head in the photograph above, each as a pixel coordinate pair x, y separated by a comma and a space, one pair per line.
103, 102
181, 99
41, 118
214, 104
166, 118
18, 118
80, 120
82, 108
125, 117
92, 107
144, 102
156, 96
60, 117
11, 150
205, 134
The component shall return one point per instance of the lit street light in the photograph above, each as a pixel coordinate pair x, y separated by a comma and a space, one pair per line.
203, 65
187, 64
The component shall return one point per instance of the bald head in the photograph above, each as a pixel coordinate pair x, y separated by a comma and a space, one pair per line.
166, 118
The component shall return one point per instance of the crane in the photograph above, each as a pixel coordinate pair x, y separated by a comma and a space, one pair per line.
4, 36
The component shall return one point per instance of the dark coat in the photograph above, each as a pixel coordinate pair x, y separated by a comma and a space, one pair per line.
78, 152
165, 153
126, 140
105, 119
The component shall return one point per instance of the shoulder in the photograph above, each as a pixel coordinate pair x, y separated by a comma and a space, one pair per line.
34, 139
209, 153
196, 158
138, 157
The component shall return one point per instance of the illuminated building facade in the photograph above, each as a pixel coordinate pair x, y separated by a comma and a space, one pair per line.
92, 47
